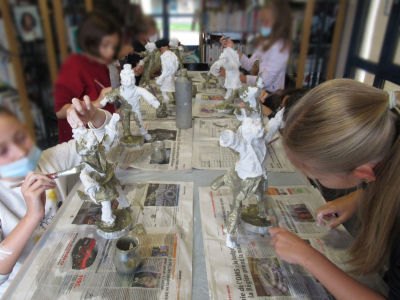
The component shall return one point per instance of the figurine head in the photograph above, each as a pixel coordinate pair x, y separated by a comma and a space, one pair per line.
252, 128
174, 42
150, 47
127, 76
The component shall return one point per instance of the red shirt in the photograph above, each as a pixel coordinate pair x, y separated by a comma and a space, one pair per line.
76, 79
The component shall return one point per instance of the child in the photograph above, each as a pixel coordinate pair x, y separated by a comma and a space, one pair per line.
357, 143
87, 73
144, 32
273, 50
24, 211
272, 103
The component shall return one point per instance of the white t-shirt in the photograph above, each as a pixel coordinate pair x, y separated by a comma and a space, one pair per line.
13, 206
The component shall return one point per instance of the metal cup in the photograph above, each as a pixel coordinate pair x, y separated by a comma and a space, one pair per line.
126, 257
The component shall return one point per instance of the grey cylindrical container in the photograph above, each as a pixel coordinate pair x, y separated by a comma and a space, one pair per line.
183, 98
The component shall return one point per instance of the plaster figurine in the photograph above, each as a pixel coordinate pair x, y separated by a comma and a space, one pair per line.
229, 60
169, 67
98, 173
128, 96
249, 177
178, 49
150, 62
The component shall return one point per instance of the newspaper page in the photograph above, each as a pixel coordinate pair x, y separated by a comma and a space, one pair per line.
178, 148
209, 105
209, 155
75, 263
252, 270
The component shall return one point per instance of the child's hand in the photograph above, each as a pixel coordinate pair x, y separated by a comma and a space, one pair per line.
103, 94
338, 211
33, 189
263, 96
222, 72
138, 70
289, 246
80, 112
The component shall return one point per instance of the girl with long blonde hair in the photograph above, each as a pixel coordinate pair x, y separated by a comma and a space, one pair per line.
344, 133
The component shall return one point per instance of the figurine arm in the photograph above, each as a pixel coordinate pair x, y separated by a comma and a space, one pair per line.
148, 97
230, 140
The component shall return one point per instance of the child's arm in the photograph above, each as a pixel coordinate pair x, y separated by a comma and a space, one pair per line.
337, 282
63, 112
12, 246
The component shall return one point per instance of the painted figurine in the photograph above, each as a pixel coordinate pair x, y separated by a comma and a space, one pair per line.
169, 67
249, 177
128, 96
178, 49
229, 60
98, 173
150, 62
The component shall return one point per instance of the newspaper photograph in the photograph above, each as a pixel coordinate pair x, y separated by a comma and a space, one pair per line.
252, 270
178, 145
76, 263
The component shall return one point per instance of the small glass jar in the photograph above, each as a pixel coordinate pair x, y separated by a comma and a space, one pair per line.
158, 153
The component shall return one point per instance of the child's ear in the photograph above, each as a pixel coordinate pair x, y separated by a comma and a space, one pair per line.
365, 172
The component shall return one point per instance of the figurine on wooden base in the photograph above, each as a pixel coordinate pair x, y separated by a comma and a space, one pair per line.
98, 177
248, 178
230, 62
127, 99
169, 67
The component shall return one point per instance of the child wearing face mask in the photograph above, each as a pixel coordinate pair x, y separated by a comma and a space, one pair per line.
87, 73
143, 33
272, 52
344, 133
25, 213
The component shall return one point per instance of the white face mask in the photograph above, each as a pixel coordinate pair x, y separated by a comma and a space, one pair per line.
153, 38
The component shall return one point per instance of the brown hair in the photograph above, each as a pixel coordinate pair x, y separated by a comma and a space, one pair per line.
95, 26
5, 111
282, 29
339, 126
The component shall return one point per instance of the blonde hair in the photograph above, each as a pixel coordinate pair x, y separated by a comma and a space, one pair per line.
339, 126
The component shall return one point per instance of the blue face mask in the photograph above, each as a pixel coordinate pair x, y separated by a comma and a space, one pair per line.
23, 166
265, 31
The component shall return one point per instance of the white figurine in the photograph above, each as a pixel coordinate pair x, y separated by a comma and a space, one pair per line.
149, 63
229, 60
249, 176
97, 175
129, 94
169, 67
178, 49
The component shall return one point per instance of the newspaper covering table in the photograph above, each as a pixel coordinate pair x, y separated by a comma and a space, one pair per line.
178, 145
253, 271
206, 106
209, 155
75, 263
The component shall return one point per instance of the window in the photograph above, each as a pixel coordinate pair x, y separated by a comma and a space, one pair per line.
176, 18
374, 57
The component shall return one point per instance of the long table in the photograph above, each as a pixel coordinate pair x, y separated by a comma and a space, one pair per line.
199, 178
